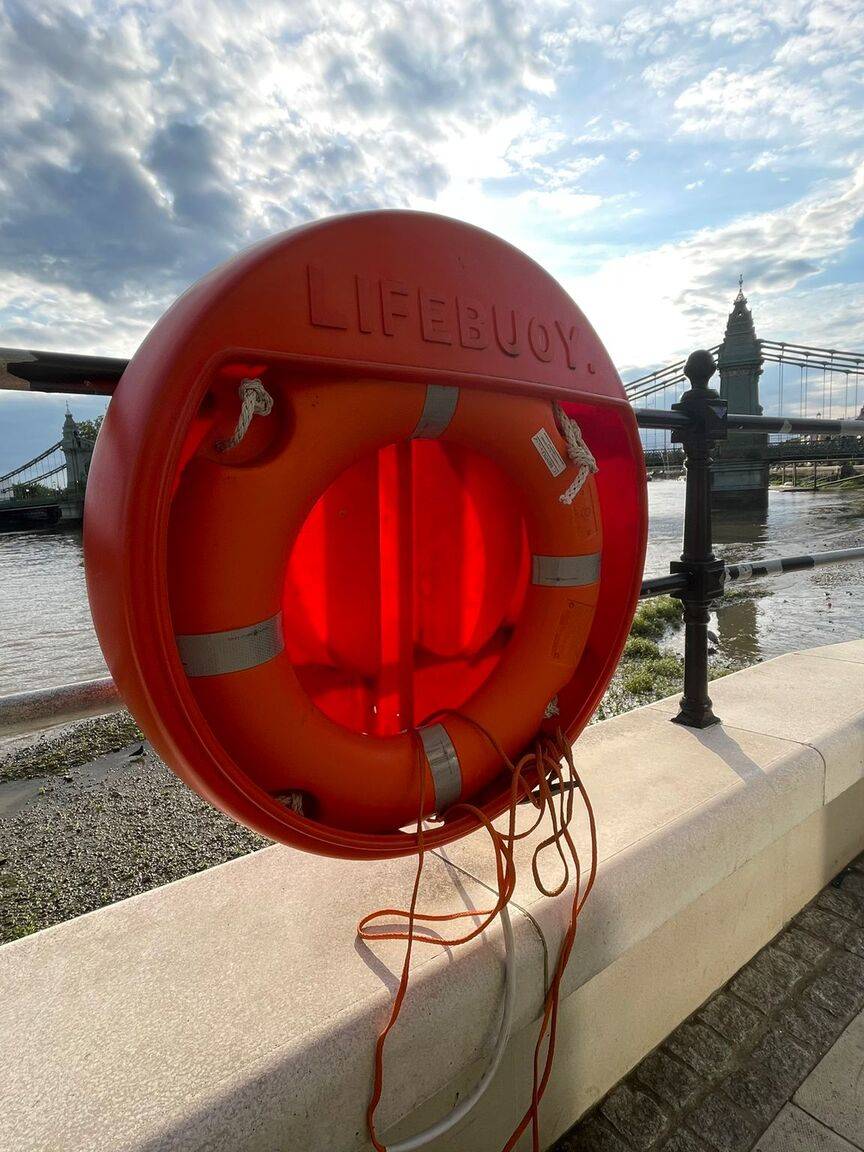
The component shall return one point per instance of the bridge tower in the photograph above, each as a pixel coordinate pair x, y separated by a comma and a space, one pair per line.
740, 474
77, 452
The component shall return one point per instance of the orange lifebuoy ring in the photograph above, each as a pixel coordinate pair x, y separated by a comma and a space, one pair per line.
383, 554
234, 528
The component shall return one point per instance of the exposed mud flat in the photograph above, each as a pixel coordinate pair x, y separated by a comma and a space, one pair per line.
76, 835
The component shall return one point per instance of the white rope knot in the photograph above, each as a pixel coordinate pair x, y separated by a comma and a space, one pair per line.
255, 400
578, 451
551, 710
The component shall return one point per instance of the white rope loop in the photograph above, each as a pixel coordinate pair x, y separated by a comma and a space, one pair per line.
578, 451
255, 400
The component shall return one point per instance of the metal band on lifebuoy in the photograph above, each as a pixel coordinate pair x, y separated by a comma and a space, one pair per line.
217, 653
443, 764
438, 409
565, 571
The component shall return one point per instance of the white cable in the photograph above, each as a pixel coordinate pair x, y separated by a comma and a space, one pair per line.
578, 451
462, 1110
255, 400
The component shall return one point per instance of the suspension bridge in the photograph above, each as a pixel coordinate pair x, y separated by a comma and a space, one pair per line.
49, 489
806, 381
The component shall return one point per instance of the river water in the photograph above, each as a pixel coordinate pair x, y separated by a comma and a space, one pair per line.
46, 635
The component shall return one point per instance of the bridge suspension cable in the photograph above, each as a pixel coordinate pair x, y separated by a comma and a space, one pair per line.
661, 379
30, 463
21, 482
809, 359
806, 357
810, 355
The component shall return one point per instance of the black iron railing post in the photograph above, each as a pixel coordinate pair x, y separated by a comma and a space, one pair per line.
706, 414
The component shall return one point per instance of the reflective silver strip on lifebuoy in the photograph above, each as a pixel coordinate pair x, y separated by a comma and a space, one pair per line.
443, 764
565, 571
217, 653
438, 410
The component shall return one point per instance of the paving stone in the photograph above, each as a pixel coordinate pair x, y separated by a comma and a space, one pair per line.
834, 997
853, 883
855, 942
846, 968
801, 944
795, 1131
684, 1141
592, 1136
758, 1089
721, 1125
668, 1078
732, 1018
635, 1116
840, 903
811, 1023
758, 989
823, 924
785, 1054
834, 1090
853, 889
700, 1047
780, 966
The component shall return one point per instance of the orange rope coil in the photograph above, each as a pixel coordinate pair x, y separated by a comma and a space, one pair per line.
549, 763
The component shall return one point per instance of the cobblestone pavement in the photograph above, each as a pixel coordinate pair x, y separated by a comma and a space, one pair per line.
718, 1082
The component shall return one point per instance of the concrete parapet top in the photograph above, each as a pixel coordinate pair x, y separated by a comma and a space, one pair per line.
236, 1010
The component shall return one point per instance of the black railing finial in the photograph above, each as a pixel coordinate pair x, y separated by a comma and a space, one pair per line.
699, 369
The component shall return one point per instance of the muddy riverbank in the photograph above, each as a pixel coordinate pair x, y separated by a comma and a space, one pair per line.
79, 835
90, 815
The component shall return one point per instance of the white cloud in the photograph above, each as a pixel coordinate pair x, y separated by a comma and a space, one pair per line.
144, 142
662, 302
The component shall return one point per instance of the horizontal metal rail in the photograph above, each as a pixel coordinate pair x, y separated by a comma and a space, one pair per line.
739, 422
24, 369
663, 586
792, 424
735, 573
24, 712
660, 418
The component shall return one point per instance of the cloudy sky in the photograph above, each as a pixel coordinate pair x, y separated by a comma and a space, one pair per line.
644, 153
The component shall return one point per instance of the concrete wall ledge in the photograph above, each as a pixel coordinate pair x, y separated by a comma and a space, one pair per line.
235, 1011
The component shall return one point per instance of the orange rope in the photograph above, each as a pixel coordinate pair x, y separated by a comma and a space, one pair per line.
534, 768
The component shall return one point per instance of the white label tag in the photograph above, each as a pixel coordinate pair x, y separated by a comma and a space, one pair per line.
544, 444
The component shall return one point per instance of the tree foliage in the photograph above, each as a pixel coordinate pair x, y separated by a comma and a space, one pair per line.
89, 429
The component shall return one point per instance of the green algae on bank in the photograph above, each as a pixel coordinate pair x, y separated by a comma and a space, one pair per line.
647, 671
54, 753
